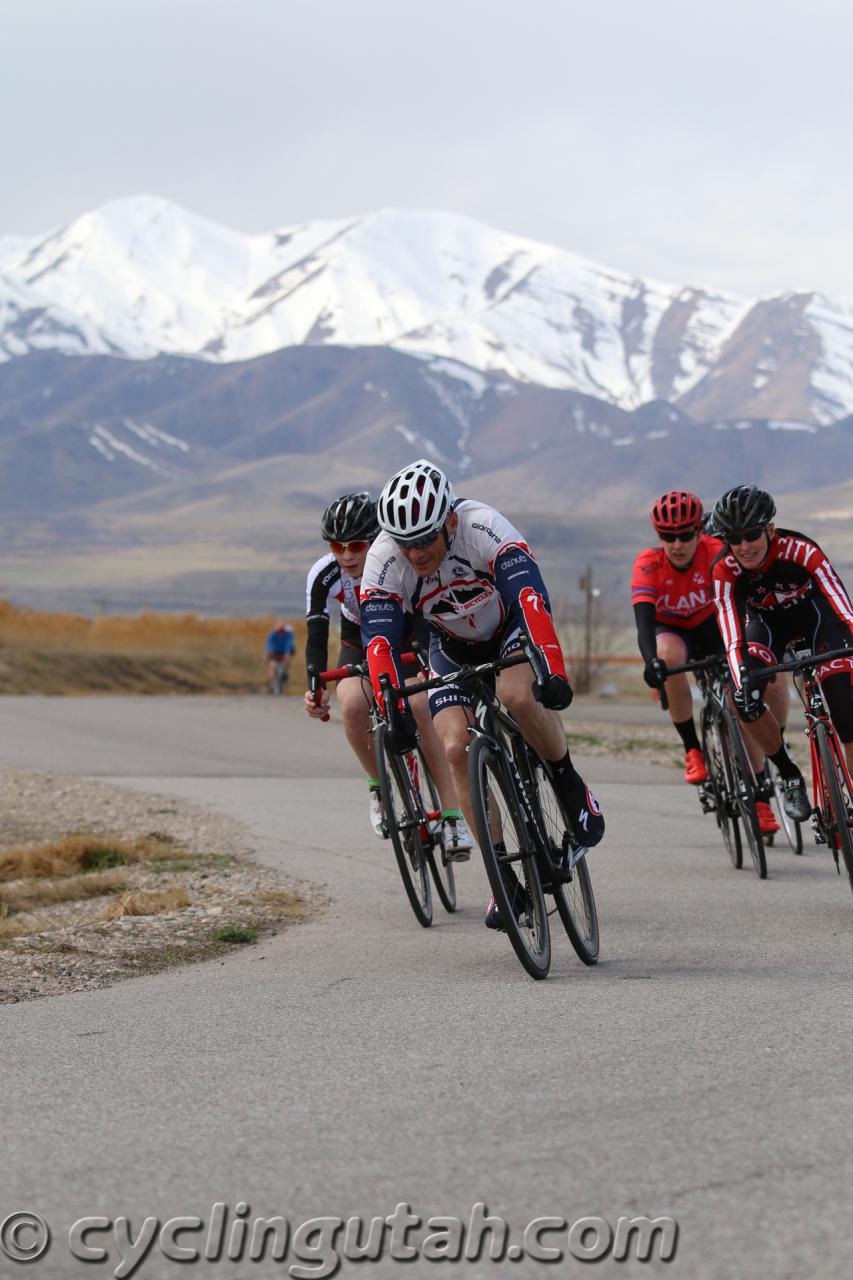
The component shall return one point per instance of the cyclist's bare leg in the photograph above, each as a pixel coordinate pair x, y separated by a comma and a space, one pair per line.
354, 699
451, 727
541, 727
764, 736
434, 752
673, 651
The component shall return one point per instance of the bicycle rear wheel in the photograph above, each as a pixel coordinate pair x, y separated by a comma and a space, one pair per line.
506, 849
744, 794
574, 899
839, 821
402, 822
441, 870
718, 764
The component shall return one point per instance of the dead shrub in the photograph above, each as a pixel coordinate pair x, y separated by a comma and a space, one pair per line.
147, 904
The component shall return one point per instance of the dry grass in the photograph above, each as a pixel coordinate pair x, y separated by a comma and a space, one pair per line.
148, 653
72, 854
25, 895
147, 904
281, 902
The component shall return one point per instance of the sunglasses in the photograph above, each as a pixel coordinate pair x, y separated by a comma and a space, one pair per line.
748, 535
340, 548
418, 544
679, 537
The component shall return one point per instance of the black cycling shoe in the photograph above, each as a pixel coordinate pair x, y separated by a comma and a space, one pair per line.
517, 897
795, 798
583, 811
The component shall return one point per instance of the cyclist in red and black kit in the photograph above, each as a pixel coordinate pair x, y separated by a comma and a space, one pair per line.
673, 603
772, 586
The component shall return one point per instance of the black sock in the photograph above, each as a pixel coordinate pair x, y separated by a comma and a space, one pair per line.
686, 730
565, 774
785, 765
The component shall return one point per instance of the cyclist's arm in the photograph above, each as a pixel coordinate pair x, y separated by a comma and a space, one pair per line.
831, 587
644, 615
644, 594
323, 580
383, 628
731, 619
523, 592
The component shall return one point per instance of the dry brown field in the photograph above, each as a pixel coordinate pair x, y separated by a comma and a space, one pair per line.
150, 653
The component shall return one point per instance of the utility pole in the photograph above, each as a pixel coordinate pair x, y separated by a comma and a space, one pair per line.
591, 593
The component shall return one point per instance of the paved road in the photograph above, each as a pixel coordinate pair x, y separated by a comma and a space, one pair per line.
700, 1071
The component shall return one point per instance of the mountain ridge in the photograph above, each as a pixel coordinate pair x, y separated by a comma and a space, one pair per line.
141, 277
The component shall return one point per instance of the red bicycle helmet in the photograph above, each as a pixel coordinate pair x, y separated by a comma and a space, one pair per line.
676, 512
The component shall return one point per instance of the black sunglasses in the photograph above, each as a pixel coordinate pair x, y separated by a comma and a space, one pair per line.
678, 537
418, 544
747, 535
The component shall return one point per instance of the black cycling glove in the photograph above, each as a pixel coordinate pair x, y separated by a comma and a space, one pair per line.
655, 673
554, 692
748, 702
402, 734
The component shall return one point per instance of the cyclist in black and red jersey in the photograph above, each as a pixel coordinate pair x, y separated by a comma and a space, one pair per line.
673, 603
349, 526
772, 586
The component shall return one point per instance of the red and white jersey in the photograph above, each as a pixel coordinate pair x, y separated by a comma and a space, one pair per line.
462, 597
794, 571
682, 597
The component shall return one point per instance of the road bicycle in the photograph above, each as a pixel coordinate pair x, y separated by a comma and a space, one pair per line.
832, 789
279, 678
528, 845
730, 790
411, 809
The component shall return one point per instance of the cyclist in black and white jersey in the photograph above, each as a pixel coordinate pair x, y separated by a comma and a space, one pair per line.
349, 525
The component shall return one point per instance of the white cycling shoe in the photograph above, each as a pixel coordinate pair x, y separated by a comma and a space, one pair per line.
377, 824
457, 839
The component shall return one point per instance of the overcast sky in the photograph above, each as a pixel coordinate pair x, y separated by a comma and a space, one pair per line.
704, 141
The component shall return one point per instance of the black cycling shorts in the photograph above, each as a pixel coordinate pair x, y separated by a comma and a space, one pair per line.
447, 655
701, 641
813, 622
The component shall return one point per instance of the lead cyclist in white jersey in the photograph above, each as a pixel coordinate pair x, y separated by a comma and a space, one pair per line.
470, 574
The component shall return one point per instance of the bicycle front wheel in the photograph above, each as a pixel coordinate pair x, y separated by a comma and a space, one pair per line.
744, 785
839, 819
509, 860
720, 780
402, 823
573, 898
432, 835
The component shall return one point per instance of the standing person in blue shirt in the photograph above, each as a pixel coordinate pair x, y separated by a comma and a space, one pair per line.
280, 648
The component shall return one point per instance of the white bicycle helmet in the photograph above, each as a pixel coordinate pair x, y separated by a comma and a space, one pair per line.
415, 503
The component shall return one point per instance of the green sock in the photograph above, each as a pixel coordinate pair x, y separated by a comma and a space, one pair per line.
374, 784
455, 814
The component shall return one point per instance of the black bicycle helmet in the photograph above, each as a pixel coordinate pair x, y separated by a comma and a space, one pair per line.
350, 518
746, 507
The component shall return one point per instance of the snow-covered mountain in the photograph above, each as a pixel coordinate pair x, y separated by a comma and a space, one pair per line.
140, 277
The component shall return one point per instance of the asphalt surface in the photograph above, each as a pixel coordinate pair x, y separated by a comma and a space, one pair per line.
700, 1071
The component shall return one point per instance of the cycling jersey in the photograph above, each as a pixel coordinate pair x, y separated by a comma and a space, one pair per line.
487, 582
280, 642
327, 581
794, 572
685, 596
